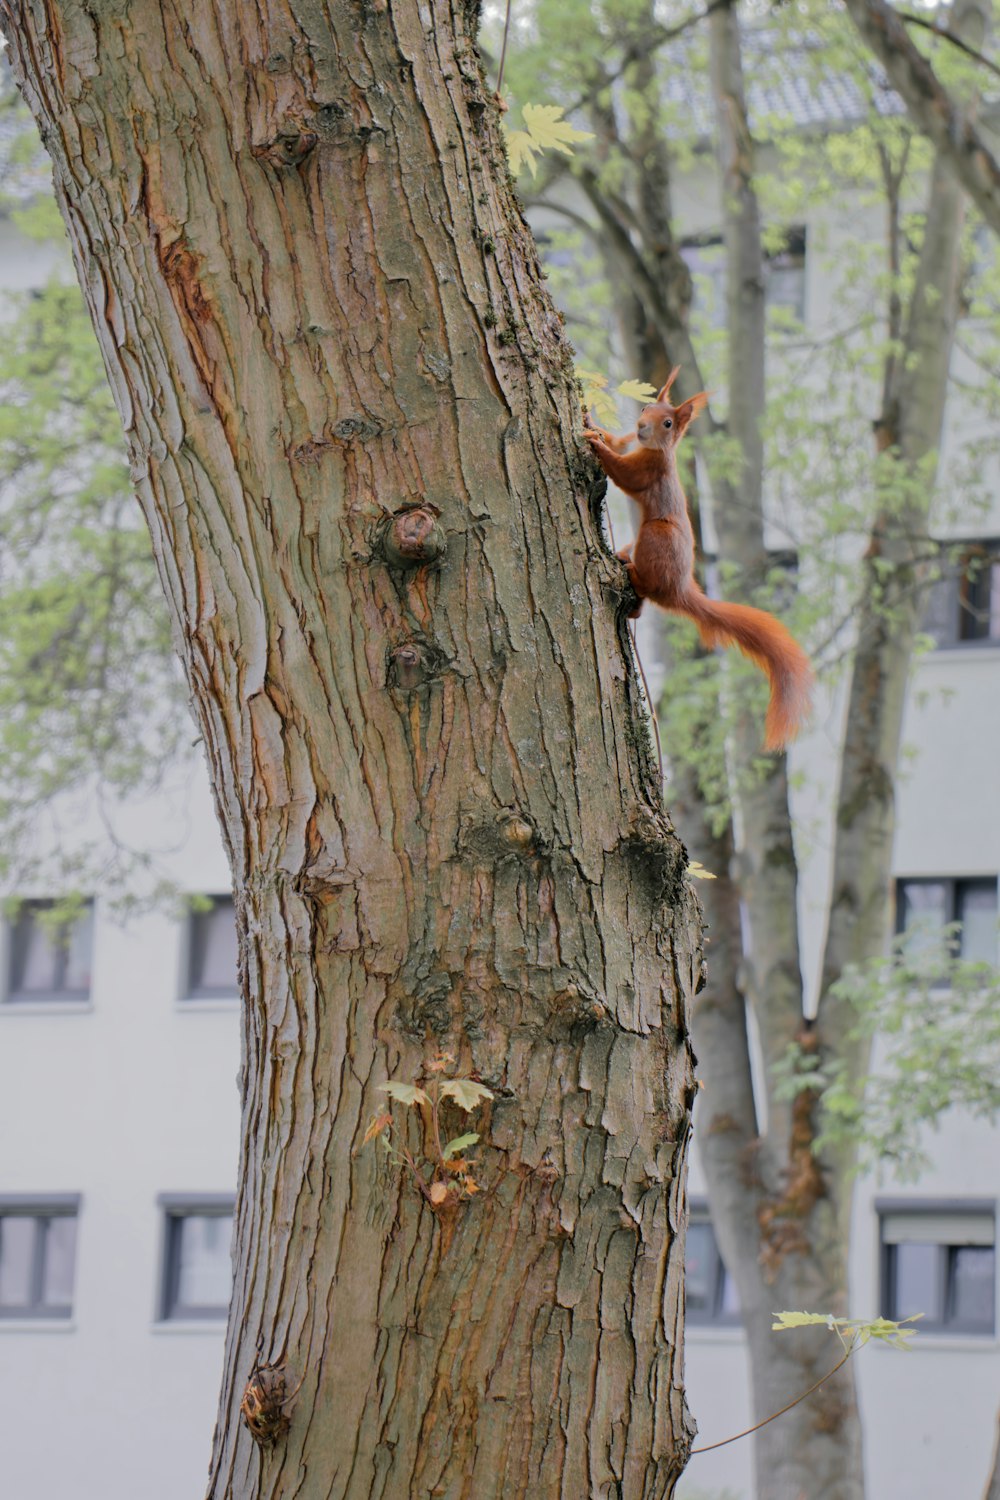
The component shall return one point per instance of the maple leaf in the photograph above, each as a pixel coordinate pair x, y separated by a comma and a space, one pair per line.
636, 390
521, 150
406, 1093
596, 400
545, 130
546, 126
466, 1092
458, 1143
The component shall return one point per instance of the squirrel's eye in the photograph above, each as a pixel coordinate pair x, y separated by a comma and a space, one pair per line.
668, 423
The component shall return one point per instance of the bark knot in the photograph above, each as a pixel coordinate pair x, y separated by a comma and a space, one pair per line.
651, 845
288, 148
413, 537
414, 663
508, 834
263, 1405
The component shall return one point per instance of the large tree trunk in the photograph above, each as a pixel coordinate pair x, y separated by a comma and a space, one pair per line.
319, 309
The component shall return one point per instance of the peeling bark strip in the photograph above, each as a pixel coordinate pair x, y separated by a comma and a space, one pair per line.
434, 782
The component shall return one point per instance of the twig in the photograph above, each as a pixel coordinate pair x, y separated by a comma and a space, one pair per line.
757, 1425
503, 47
937, 29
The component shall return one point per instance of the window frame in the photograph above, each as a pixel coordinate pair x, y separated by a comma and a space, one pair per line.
174, 1209
15, 953
793, 256
987, 553
714, 1317
42, 1208
953, 885
191, 992
934, 1208
952, 585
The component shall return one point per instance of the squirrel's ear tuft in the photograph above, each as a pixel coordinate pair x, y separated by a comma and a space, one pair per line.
689, 409
664, 391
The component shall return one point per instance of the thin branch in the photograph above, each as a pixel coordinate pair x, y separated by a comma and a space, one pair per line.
643, 47
930, 106
775, 1414
937, 29
503, 48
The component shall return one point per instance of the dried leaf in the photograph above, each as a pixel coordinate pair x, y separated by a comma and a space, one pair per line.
698, 871
406, 1093
378, 1124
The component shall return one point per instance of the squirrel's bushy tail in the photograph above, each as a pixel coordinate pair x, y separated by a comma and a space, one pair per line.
769, 646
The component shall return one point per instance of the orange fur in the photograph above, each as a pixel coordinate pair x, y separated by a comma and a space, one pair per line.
661, 561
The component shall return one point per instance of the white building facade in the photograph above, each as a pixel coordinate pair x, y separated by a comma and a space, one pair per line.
119, 1130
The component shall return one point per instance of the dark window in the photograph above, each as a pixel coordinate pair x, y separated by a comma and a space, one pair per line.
197, 1271
784, 275
50, 959
925, 906
785, 270
213, 954
979, 597
37, 1257
963, 606
710, 1292
706, 260
941, 1263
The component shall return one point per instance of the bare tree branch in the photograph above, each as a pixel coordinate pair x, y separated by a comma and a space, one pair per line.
931, 107
936, 29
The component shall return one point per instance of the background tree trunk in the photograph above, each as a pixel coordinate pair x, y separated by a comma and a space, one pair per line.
993, 1483
319, 308
780, 1214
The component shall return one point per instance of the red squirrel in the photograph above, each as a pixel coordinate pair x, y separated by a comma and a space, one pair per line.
661, 560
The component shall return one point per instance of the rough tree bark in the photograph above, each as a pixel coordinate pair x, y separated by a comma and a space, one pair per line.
321, 312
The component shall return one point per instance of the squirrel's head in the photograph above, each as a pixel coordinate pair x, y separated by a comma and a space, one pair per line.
662, 425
